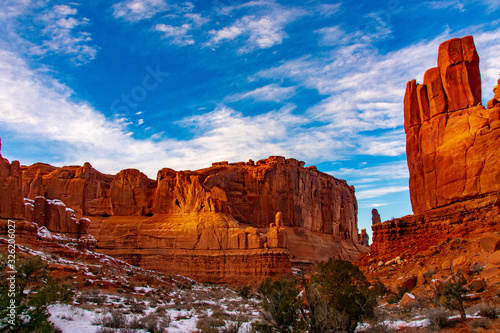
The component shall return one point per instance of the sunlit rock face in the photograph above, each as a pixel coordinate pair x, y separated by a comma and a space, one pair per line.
451, 139
452, 145
231, 222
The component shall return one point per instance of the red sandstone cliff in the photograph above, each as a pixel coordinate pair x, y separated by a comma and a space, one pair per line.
11, 199
453, 155
251, 193
231, 223
451, 139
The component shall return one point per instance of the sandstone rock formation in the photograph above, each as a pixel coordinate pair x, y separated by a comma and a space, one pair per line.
451, 139
453, 156
231, 222
495, 101
363, 238
252, 193
375, 216
55, 216
11, 200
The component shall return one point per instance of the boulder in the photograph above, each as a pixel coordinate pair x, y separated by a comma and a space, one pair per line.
408, 301
489, 242
477, 285
494, 258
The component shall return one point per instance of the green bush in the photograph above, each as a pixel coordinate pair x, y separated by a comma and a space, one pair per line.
453, 294
35, 290
438, 318
339, 297
282, 304
336, 299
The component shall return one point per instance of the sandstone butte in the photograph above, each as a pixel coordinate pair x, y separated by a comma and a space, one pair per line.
452, 144
229, 223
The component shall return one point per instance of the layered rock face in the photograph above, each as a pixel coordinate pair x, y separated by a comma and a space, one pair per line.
55, 216
231, 223
453, 155
251, 193
11, 199
451, 140
51, 214
90, 192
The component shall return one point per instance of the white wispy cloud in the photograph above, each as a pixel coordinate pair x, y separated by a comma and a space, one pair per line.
137, 10
272, 92
379, 191
395, 170
177, 35
61, 34
260, 31
456, 4
335, 35
35, 105
328, 9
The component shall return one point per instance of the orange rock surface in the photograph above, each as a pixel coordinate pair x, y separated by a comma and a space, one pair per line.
231, 222
451, 140
11, 200
251, 193
453, 156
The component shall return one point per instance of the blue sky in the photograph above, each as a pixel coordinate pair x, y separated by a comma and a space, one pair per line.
149, 84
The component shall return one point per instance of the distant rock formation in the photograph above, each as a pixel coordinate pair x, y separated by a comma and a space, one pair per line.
375, 216
229, 223
451, 139
363, 238
11, 199
495, 101
251, 192
50, 215
55, 216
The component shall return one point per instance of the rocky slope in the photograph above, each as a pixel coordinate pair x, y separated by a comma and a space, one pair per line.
231, 223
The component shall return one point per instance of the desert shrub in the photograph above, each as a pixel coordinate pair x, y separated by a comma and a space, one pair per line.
281, 303
185, 285
438, 318
91, 296
245, 292
488, 311
34, 291
338, 297
153, 302
220, 314
378, 288
380, 328
209, 325
154, 323
453, 294
111, 319
479, 323
137, 306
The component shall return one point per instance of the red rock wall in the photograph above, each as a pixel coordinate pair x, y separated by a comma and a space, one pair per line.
251, 193
452, 145
55, 216
11, 199
451, 140
413, 234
